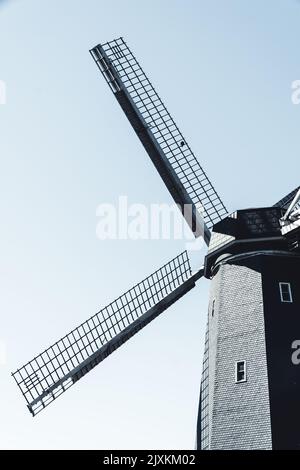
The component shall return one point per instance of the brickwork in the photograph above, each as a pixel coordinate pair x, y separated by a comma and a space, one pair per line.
239, 413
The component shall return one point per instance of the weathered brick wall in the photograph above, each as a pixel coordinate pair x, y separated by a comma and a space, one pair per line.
239, 413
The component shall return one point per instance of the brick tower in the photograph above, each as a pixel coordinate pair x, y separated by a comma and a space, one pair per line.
250, 388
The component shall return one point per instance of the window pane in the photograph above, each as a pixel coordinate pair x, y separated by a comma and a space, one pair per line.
285, 292
240, 371
213, 308
240, 376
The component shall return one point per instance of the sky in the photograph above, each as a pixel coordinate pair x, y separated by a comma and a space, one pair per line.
225, 71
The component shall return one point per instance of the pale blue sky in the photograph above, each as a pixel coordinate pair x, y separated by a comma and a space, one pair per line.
224, 70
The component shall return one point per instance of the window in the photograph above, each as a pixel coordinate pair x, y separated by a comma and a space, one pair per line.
240, 371
213, 308
285, 292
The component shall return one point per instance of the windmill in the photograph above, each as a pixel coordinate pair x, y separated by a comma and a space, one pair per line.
250, 387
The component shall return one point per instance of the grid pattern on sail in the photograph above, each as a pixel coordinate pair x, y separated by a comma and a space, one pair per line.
50, 373
204, 405
286, 201
164, 130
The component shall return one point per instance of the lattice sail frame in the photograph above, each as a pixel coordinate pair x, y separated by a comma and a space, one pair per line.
286, 201
168, 149
52, 372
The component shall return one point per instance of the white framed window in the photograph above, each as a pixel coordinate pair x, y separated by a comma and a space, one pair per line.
240, 372
285, 292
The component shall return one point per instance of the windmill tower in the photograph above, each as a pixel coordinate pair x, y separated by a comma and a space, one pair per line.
250, 386
252, 259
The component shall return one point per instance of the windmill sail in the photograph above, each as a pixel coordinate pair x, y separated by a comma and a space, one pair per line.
52, 372
286, 200
177, 165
